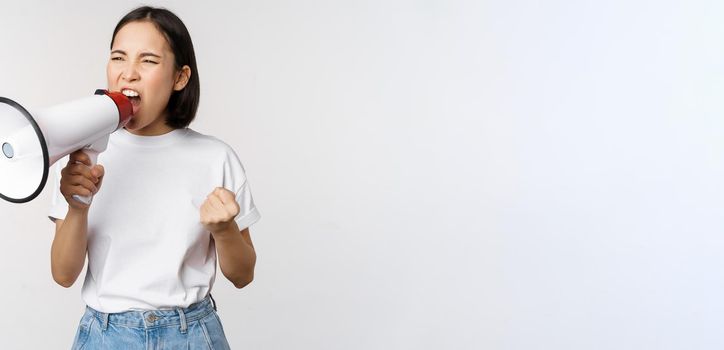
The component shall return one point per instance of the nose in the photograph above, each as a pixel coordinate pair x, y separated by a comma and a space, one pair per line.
130, 73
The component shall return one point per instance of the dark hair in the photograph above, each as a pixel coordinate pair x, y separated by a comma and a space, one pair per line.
182, 105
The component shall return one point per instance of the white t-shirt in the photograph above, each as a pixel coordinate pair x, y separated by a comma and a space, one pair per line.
147, 248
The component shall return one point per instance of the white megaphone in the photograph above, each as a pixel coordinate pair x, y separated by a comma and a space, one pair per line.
31, 143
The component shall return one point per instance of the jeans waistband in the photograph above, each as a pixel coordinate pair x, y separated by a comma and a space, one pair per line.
155, 318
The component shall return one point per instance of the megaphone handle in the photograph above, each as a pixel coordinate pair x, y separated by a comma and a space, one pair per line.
93, 156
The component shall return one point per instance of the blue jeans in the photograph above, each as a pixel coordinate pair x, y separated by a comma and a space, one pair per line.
195, 327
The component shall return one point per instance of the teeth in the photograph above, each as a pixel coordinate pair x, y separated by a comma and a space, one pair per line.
130, 93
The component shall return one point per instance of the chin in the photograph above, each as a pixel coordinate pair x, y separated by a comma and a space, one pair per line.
132, 125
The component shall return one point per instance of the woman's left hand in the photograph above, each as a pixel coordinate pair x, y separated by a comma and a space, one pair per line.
219, 210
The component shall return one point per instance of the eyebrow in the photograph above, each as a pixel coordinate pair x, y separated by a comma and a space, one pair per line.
143, 54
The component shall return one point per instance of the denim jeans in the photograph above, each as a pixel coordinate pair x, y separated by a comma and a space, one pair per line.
195, 327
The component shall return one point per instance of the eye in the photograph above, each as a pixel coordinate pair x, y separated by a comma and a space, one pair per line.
116, 58
149, 61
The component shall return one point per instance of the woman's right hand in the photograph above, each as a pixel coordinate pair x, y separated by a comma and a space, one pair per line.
79, 178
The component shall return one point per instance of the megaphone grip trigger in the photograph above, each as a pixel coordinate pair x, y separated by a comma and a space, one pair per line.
93, 157
84, 200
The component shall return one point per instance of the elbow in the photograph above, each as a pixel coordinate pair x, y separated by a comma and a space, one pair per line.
64, 281
241, 283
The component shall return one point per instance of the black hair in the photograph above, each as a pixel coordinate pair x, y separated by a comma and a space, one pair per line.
182, 105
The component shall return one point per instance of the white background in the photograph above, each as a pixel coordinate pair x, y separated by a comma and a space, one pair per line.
431, 174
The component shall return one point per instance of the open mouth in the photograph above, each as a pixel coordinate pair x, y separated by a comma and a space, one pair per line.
134, 97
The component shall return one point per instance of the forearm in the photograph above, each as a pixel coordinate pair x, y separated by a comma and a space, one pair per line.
68, 250
236, 255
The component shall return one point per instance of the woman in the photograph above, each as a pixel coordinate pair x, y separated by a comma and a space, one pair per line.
173, 199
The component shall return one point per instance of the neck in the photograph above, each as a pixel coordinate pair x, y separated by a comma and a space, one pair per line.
158, 127
151, 132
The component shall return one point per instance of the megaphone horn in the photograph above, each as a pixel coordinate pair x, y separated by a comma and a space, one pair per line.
31, 143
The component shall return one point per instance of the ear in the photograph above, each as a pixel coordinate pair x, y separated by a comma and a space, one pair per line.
182, 78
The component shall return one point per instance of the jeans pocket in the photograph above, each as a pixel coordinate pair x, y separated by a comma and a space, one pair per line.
221, 326
214, 333
81, 336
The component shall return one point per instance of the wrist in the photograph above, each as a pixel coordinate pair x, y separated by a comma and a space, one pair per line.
225, 232
78, 211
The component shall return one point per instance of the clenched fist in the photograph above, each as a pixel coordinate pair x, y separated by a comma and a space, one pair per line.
219, 210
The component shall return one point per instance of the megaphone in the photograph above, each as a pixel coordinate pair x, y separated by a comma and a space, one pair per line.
31, 143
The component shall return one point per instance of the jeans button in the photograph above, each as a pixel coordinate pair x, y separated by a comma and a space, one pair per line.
151, 318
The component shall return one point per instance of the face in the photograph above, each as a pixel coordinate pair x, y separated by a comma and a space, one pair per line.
142, 67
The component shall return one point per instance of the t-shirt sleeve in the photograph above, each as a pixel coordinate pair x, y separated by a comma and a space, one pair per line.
58, 205
235, 180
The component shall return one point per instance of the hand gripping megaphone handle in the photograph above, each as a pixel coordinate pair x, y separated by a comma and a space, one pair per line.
92, 151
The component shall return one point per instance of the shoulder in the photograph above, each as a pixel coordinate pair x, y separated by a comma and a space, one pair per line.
210, 146
219, 154
207, 142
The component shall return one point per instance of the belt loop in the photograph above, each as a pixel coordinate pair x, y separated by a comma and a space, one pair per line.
213, 301
182, 316
105, 321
